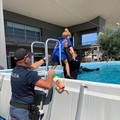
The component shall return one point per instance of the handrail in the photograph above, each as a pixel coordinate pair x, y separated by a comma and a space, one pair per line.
32, 57
90, 51
46, 51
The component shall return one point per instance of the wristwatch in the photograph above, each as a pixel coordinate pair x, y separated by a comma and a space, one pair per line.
43, 59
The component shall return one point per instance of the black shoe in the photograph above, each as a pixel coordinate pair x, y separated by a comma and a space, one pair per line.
68, 76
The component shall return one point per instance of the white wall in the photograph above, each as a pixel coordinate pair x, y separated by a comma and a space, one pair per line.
3, 61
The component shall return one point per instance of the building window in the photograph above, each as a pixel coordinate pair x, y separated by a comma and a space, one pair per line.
22, 32
89, 39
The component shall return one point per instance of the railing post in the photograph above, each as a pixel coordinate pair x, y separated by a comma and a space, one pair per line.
80, 102
50, 104
1, 82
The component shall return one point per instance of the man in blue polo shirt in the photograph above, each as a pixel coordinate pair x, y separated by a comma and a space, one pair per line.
23, 81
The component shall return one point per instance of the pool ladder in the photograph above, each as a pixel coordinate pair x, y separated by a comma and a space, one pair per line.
46, 52
47, 68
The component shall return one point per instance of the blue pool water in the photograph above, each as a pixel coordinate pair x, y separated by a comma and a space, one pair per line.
109, 72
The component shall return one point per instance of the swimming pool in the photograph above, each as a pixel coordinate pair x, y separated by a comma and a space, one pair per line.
94, 95
109, 72
41, 71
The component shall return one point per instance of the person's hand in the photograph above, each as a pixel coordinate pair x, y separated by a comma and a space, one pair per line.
74, 55
47, 58
51, 72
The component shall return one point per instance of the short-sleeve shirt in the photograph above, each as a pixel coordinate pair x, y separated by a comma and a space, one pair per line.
22, 84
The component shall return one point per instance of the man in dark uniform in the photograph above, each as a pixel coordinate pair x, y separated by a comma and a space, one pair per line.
23, 81
74, 64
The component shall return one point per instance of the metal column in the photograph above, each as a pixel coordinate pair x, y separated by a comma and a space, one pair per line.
80, 102
50, 104
3, 59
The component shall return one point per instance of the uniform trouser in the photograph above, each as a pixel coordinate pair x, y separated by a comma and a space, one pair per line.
19, 113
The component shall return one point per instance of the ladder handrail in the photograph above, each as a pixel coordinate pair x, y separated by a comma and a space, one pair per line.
46, 51
32, 57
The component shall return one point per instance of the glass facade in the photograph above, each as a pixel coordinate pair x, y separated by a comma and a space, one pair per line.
22, 32
89, 39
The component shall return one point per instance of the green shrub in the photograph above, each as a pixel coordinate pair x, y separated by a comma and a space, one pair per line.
109, 42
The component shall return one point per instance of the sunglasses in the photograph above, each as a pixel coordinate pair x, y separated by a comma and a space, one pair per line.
28, 55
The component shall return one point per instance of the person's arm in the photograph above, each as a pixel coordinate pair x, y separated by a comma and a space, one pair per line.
39, 63
73, 53
55, 65
46, 83
71, 50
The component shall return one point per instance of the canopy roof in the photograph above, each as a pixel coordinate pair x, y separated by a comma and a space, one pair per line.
66, 12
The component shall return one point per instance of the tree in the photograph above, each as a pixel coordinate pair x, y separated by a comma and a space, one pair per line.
109, 42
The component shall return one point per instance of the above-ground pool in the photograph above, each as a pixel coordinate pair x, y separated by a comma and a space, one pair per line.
78, 93
109, 72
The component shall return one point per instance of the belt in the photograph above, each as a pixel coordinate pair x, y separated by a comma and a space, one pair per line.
20, 105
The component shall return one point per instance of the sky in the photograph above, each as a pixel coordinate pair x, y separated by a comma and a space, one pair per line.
89, 38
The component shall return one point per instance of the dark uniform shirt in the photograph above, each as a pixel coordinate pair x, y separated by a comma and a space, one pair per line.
22, 84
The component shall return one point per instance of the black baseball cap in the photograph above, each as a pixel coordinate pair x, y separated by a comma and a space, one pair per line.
20, 54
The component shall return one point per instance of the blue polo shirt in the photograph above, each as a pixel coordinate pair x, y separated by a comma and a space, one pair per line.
22, 84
